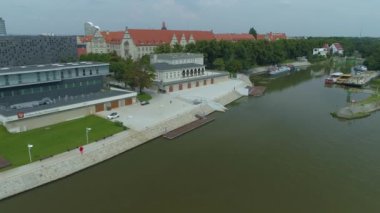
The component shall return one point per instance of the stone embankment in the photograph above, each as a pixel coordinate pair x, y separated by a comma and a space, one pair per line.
264, 69
29, 176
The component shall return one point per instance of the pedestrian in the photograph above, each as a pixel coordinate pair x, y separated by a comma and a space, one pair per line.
81, 149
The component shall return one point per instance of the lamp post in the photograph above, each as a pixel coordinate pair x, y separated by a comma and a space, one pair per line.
87, 130
30, 146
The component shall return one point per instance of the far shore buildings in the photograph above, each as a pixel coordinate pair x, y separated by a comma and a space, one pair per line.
180, 71
322, 51
40, 95
3, 30
335, 49
136, 43
40, 49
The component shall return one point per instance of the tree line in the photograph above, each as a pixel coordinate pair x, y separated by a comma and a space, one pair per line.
138, 74
243, 55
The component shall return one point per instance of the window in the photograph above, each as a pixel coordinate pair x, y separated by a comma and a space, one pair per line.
90, 71
38, 77
97, 71
62, 75
76, 72
19, 78
84, 72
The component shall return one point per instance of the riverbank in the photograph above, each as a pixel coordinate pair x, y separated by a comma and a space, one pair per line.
264, 69
179, 110
359, 110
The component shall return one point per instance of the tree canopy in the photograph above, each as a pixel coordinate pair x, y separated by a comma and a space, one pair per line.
253, 32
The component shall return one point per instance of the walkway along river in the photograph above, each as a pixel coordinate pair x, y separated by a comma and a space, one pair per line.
281, 152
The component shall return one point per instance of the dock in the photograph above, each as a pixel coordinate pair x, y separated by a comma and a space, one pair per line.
257, 91
358, 80
202, 120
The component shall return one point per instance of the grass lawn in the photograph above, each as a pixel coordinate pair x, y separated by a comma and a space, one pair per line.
51, 140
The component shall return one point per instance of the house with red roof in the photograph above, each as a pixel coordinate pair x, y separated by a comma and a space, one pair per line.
135, 43
234, 37
336, 48
271, 36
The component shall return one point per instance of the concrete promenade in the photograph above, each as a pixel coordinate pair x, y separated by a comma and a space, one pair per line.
165, 113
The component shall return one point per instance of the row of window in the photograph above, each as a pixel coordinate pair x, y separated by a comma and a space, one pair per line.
52, 75
40, 89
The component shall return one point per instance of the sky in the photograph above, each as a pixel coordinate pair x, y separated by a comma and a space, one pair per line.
293, 17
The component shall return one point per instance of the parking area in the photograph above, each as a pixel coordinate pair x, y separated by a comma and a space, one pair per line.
167, 106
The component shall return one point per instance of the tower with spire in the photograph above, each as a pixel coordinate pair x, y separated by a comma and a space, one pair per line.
163, 26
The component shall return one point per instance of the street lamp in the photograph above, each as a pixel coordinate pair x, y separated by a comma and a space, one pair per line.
30, 146
87, 130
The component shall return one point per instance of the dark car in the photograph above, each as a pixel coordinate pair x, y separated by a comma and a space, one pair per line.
144, 103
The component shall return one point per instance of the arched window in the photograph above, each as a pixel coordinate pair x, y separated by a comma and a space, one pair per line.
199, 71
187, 73
191, 72
183, 73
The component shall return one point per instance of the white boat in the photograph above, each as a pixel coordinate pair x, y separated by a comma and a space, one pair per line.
333, 77
360, 68
277, 70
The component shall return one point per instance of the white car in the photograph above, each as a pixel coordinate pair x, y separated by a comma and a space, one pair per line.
113, 115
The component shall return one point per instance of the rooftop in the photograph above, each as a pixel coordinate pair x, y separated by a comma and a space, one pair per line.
43, 67
171, 56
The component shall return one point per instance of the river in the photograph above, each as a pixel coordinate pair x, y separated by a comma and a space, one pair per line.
281, 152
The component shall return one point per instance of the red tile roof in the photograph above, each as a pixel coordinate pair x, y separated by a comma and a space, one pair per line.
113, 37
142, 37
260, 36
234, 37
87, 38
271, 36
338, 46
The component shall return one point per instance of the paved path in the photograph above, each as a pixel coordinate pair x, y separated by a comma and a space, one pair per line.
146, 122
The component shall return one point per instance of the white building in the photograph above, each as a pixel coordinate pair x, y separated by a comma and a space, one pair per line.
320, 51
336, 48
179, 71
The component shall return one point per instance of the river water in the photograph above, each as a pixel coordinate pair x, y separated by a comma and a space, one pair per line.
281, 152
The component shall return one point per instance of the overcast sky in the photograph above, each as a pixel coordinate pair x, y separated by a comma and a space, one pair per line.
294, 17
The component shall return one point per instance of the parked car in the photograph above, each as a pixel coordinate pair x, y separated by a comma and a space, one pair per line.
113, 115
144, 102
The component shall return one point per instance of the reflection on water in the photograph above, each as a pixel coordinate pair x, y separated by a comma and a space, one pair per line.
281, 152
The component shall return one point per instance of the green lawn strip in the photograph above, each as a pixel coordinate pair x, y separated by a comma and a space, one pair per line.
144, 97
54, 139
371, 99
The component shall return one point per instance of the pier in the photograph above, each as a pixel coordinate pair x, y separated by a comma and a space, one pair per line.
188, 127
257, 91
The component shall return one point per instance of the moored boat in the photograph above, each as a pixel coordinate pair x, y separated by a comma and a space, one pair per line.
277, 70
333, 77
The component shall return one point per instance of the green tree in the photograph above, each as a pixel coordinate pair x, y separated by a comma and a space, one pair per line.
253, 32
164, 48
139, 74
219, 64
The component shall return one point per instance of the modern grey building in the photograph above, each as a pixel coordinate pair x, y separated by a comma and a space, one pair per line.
90, 28
3, 30
40, 95
31, 50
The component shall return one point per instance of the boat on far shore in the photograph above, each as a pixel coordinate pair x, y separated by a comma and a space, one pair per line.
360, 68
333, 77
277, 70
